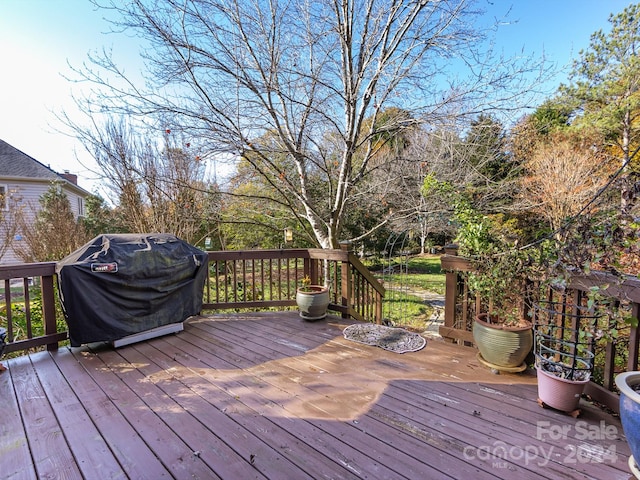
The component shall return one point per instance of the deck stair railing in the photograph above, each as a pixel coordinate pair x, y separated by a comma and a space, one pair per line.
269, 279
249, 279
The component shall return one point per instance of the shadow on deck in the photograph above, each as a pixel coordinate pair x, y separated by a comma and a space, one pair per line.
270, 396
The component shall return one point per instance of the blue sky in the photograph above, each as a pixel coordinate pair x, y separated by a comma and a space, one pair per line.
39, 37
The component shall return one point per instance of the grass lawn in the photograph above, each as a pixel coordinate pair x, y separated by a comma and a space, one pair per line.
421, 272
405, 281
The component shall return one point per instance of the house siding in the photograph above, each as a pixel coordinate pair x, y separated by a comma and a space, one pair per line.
26, 180
27, 196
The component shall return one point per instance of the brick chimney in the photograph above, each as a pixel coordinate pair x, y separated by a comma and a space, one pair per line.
70, 177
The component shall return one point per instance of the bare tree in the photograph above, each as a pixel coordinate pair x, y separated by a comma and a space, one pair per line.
310, 74
451, 164
562, 177
159, 184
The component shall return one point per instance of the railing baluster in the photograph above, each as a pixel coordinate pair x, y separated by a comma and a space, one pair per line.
7, 309
49, 310
270, 279
227, 280
243, 289
207, 285
27, 307
288, 276
634, 339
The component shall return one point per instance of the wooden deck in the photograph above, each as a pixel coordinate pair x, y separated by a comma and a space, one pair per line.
270, 396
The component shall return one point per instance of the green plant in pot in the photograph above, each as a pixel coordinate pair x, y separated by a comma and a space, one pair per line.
312, 300
501, 330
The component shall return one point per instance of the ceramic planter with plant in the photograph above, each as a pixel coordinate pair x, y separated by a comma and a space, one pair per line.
629, 385
561, 385
501, 330
312, 300
502, 346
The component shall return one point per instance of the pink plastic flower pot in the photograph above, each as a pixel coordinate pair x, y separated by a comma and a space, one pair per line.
559, 393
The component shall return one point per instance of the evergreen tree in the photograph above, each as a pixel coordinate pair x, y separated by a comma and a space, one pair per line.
606, 88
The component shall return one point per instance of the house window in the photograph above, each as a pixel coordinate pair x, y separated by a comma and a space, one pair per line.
80, 207
4, 200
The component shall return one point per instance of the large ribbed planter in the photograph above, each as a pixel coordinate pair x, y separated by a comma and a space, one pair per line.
630, 414
559, 393
313, 302
501, 346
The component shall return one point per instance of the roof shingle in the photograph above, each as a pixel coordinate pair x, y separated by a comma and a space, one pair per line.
15, 163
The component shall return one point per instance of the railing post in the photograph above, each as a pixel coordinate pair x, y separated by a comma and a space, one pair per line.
451, 285
314, 271
379, 300
450, 292
49, 310
346, 280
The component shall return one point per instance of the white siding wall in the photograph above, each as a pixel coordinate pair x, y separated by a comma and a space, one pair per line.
28, 195
77, 203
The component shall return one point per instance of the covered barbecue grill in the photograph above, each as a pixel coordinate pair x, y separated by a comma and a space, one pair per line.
119, 285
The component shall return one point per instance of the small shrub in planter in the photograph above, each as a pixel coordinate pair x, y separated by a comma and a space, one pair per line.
312, 300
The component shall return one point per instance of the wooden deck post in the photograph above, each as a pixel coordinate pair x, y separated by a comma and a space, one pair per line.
49, 310
346, 280
451, 287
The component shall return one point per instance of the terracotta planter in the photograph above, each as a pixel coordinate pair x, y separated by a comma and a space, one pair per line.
500, 346
313, 302
559, 393
630, 414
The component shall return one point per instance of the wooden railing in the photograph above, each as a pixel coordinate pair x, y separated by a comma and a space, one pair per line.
269, 278
255, 279
614, 341
28, 307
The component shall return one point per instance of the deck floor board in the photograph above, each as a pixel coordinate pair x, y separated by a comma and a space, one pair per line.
270, 395
50, 452
14, 448
81, 434
132, 453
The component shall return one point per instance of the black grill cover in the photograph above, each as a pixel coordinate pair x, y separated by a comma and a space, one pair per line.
121, 284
